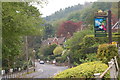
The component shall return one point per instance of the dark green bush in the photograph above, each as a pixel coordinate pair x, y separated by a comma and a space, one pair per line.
85, 70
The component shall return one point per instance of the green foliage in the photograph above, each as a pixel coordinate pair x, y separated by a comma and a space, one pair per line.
78, 52
60, 59
63, 57
58, 50
63, 12
18, 19
90, 58
102, 5
83, 12
46, 51
106, 52
75, 17
77, 38
48, 31
85, 70
84, 46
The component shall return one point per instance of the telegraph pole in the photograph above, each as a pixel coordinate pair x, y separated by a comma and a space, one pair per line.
26, 52
109, 27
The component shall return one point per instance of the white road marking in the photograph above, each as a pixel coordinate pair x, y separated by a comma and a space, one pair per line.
40, 70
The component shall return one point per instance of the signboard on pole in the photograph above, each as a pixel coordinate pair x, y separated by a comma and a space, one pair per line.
100, 25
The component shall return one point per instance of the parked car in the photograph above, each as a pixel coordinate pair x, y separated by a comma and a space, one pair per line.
41, 62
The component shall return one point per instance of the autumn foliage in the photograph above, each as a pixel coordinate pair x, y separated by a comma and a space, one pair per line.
67, 28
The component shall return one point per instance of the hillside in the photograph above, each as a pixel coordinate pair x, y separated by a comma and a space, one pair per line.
65, 12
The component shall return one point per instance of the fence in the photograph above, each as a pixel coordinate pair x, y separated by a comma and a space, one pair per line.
18, 74
113, 68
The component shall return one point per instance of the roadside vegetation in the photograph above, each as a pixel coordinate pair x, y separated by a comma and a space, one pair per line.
85, 70
81, 50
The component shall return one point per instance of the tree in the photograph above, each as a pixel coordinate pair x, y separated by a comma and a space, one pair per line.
75, 17
22, 20
48, 31
77, 38
68, 28
46, 50
102, 5
77, 51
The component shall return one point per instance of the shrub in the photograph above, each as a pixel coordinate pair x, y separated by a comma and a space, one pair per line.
63, 57
60, 59
85, 70
58, 50
106, 52
90, 40
84, 45
89, 58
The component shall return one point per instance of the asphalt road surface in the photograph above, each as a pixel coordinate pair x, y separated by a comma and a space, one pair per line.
46, 71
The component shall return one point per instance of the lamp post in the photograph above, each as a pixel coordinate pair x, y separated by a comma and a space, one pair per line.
34, 59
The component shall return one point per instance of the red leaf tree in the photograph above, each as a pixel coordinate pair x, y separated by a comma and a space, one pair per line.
67, 28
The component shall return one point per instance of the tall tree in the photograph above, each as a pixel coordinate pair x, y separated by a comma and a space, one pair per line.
18, 19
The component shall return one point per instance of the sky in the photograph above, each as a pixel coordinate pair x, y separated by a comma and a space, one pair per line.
56, 5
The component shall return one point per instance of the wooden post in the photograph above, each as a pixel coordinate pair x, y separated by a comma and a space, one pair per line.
112, 69
97, 76
117, 67
109, 27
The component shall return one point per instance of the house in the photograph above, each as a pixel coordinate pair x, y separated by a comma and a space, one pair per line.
54, 40
116, 27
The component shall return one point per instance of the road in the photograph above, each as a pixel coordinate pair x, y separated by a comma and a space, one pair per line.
45, 71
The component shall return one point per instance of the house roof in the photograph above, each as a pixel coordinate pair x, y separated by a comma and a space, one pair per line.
60, 40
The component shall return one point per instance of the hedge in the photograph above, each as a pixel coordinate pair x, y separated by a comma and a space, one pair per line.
91, 41
85, 70
106, 52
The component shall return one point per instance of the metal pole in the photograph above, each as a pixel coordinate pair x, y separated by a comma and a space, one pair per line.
109, 27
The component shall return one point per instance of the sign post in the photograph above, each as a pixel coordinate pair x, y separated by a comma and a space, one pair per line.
101, 20
109, 27
100, 24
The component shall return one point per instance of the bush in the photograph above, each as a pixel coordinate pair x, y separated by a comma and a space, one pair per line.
90, 40
85, 70
90, 58
58, 50
60, 59
84, 45
106, 52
